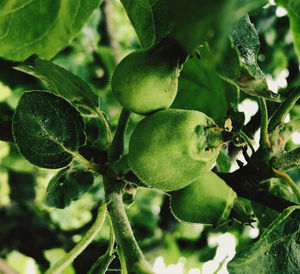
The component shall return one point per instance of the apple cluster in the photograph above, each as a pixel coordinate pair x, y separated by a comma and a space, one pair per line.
172, 149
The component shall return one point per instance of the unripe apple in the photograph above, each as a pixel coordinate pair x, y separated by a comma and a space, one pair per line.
171, 148
146, 80
207, 200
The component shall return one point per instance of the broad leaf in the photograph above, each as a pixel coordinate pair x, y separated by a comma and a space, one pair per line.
277, 250
141, 17
237, 118
47, 129
41, 27
200, 88
61, 82
239, 63
293, 9
149, 18
191, 23
161, 17
223, 163
68, 185
197, 21
264, 214
245, 39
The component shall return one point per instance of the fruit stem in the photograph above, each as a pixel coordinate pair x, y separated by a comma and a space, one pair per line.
284, 108
117, 146
84, 242
264, 135
127, 245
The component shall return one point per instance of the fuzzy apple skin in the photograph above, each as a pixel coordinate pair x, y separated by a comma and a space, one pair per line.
207, 200
169, 149
145, 82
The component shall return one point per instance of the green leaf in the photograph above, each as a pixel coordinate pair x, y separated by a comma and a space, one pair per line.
68, 185
102, 264
293, 9
223, 162
161, 17
41, 27
239, 63
190, 23
264, 214
277, 250
200, 88
141, 17
197, 21
61, 82
150, 20
237, 118
245, 39
47, 129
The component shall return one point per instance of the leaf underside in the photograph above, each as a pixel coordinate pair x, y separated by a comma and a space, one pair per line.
61, 82
68, 185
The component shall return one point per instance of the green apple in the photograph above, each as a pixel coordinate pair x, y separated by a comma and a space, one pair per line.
171, 148
147, 80
207, 200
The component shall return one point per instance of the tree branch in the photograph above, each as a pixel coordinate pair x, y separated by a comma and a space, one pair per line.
245, 182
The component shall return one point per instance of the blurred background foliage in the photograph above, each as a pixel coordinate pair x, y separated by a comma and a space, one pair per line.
33, 236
